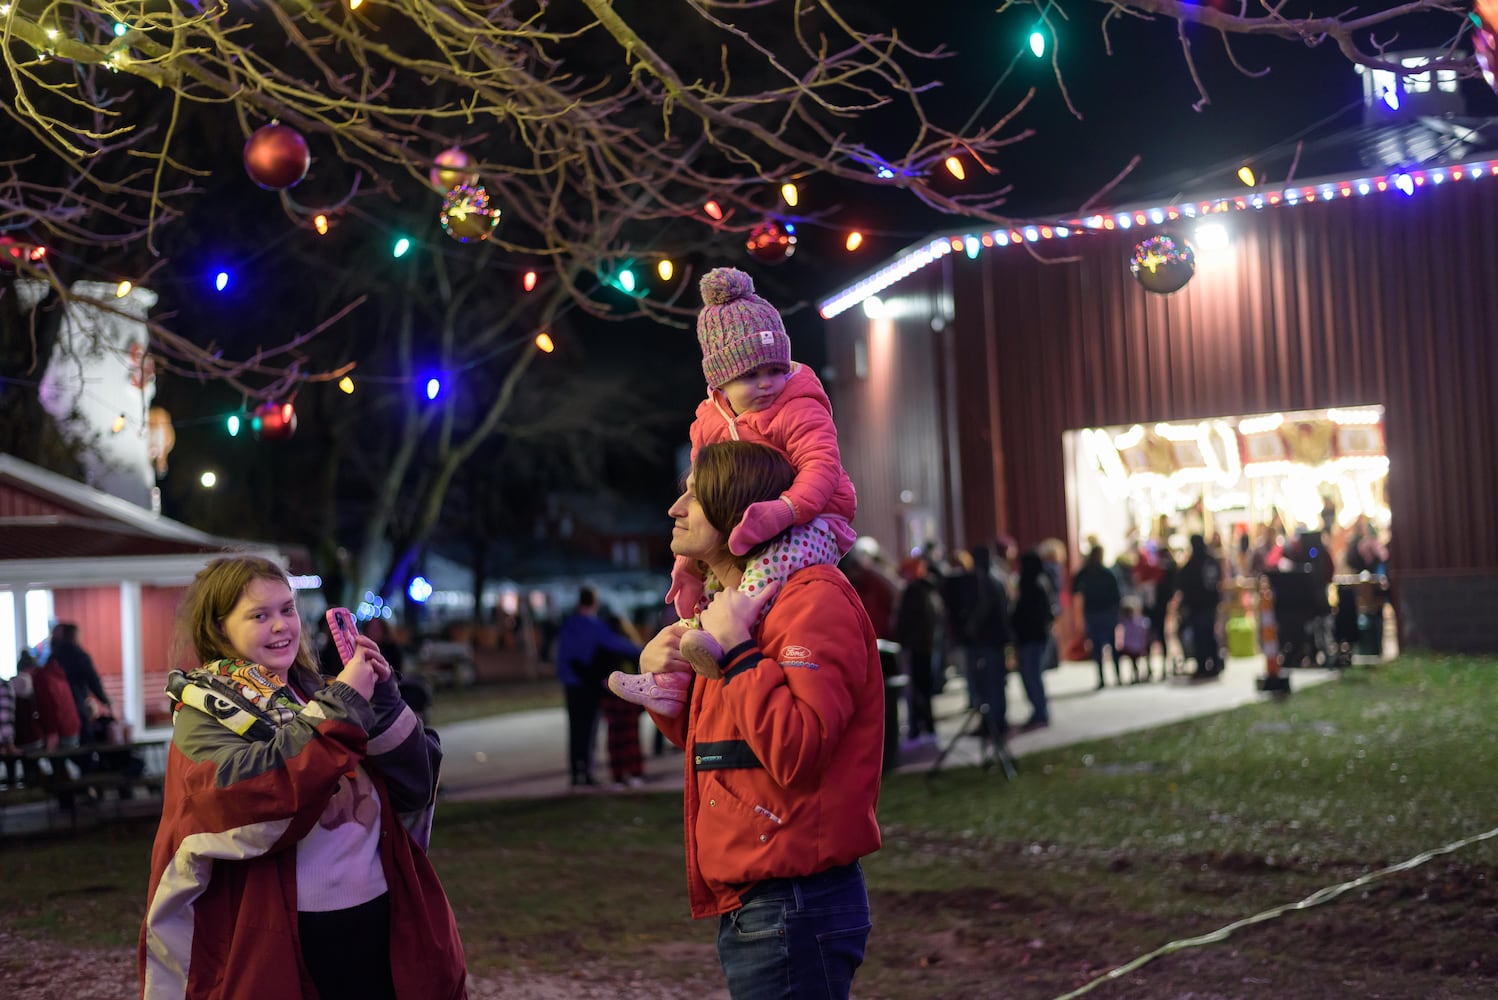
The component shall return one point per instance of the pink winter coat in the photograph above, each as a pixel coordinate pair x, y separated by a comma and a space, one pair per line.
799, 425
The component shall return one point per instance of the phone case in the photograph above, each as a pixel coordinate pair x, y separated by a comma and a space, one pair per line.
341, 625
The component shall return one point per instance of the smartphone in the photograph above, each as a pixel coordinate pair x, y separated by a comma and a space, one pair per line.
341, 625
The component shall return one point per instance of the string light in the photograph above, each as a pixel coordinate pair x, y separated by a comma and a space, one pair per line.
790, 194
854, 241
400, 248
320, 223
118, 425
434, 386
955, 168
665, 269
544, 342
529, 281
1246, 175
924, 254
1037, 43
713, 210
122, 289
221, 280
347, 385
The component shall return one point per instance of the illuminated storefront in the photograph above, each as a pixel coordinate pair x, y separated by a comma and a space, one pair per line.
1229, 477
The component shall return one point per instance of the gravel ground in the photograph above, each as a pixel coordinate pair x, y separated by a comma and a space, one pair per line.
34, 970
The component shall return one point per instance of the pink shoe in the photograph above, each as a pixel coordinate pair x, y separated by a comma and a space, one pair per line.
665, 694
703, 652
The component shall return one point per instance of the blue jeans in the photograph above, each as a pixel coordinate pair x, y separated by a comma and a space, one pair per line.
1031, 657
988, 677
797, 938
1101, 629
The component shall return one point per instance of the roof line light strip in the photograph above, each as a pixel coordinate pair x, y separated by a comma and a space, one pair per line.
914, 258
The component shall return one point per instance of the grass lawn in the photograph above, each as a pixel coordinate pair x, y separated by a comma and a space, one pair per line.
1098, 853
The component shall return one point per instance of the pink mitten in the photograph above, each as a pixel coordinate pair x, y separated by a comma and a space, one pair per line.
686, 587
761, 522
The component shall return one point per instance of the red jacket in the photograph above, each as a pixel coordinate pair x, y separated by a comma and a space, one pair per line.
799, 425
221, 913
57, 714
784, 754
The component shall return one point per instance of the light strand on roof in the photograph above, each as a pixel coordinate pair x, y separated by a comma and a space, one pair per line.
911, 260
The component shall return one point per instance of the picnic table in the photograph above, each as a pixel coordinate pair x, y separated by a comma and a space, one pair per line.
75, 780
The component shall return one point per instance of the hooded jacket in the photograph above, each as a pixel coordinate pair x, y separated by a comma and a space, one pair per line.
799, 425
246, 779
784, 753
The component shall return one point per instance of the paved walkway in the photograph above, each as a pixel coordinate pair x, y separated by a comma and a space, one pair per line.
524, 754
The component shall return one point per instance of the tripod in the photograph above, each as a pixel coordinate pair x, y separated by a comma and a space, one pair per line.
993, 751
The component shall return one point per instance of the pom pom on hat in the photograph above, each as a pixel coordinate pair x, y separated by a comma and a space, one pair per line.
738, 330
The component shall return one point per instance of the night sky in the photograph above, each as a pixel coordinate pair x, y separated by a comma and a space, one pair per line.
1139, 100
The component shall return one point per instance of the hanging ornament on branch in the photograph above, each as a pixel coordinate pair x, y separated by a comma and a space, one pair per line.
1484, 15
276, 156
770, 242
466, 214
13, 251
273, 421
1163, 263
453, 169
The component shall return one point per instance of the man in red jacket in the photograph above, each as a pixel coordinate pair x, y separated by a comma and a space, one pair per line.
783, 751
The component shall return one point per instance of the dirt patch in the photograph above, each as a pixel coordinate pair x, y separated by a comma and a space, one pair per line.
1425, 934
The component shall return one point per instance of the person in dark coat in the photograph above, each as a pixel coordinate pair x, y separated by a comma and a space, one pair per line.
83, 678
918, 630
1034, 610
1097, 585
1200, 582
579, 640
985, 636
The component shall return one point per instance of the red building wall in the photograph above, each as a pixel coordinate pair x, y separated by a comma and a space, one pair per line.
96, 612
1380, 299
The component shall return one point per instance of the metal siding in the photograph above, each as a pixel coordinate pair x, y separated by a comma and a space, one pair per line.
890, 423
1382, 299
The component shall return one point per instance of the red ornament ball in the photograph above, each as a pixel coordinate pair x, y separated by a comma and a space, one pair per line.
1163, 263
452, 170
273, 421
276, 156
770, 242
13, 251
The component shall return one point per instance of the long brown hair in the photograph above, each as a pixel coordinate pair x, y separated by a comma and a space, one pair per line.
209, 599
729, 476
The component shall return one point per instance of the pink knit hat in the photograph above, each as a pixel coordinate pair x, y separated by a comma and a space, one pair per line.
738, 330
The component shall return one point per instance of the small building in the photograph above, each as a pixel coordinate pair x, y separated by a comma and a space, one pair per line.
69, 552
1336, 346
